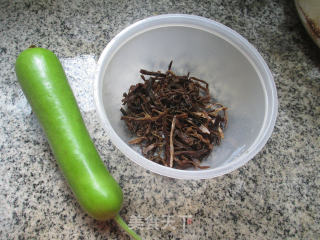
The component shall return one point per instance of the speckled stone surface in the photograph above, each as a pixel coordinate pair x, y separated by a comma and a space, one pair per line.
274, 196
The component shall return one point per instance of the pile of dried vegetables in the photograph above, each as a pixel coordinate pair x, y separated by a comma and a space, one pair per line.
174, 119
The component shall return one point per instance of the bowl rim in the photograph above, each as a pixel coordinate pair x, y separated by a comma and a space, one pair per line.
211, 26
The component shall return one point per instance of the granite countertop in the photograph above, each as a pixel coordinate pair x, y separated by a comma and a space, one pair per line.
274, 196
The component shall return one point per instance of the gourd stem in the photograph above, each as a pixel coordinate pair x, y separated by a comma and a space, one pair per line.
126, 228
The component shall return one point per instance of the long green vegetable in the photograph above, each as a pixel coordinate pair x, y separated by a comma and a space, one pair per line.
45, 85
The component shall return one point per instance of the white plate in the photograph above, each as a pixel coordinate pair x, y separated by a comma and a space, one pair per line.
309, 12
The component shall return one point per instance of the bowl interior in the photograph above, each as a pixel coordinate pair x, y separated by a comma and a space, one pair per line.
232, 79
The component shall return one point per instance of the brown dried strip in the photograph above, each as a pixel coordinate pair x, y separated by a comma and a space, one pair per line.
157, 74
171, 141
145, 150
137, 140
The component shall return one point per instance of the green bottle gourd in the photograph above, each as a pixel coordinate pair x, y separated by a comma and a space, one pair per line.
45, 85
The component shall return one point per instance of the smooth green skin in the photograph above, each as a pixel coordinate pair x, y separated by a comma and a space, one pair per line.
45, 85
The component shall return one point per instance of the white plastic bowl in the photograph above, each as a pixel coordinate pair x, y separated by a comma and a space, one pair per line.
237, 74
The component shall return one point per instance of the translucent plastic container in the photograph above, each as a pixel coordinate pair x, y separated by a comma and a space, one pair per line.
237, 75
